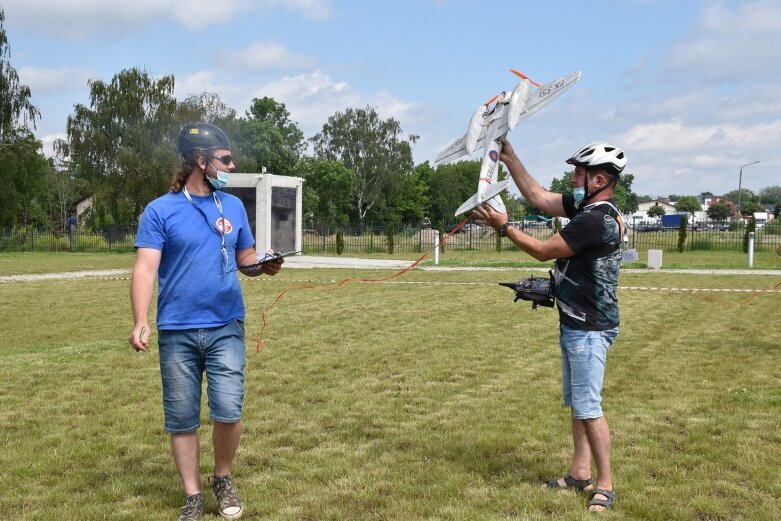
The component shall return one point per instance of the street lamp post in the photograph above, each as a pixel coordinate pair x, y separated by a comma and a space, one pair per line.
740, 182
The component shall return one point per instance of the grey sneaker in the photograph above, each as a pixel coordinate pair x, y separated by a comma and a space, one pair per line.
227, 501
193, 508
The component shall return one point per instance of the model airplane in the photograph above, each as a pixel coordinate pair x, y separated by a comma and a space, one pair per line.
489, 123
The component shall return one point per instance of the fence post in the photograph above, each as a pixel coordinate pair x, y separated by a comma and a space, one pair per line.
751, 249
436, 247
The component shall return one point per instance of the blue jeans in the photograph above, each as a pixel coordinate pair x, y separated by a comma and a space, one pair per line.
583, 358
184, 356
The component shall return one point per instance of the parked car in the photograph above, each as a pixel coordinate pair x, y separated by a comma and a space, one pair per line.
471, 227
650, 227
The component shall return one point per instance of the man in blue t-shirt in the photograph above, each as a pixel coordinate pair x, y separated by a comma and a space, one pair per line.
192, 240
588, 254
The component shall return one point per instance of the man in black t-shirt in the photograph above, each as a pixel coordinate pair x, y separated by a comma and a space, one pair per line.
588, 255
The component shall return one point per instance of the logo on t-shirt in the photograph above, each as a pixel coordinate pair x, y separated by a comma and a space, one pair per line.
224, 225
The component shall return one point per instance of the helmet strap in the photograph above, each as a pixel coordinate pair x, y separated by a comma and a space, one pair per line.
205, 177
598, 190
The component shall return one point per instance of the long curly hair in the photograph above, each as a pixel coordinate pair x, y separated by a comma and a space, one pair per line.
189, 165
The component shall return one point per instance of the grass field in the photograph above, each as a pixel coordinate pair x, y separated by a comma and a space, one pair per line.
433, 400
31, 263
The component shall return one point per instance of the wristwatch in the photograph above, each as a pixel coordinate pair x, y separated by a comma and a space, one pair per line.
502, 230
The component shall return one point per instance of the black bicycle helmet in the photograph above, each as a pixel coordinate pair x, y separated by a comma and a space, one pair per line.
201, 136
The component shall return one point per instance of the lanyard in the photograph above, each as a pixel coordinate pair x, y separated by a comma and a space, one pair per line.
220, 230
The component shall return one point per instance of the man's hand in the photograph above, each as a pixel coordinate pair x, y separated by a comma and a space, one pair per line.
508, 154
485, 214
139, 337
271, 268
252, 265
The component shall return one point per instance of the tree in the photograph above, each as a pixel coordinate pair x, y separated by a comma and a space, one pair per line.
372, 148
328, 188
626, 199
123, 143
751, 227
24, 198
16, 110
207, 107
681, 234
749, 202
657, 210
688, 204
268, 138
770, 195
747, 208
449, 186
63, 181
719, 211
563, 185
23, 170
410, 202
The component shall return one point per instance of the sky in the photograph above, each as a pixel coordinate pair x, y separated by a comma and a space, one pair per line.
689, 89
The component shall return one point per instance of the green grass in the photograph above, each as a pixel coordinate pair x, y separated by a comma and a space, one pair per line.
52, 262
435, 400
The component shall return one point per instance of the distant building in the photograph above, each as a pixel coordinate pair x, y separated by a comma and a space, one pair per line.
82, 206
640, 217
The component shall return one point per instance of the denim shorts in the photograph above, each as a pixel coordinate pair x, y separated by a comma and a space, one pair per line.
583, 358
184, 356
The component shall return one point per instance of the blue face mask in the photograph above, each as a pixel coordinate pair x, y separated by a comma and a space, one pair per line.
221, 180
580, 194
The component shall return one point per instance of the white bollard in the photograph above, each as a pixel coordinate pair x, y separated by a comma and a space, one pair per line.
655, 259
751, 249
436, 248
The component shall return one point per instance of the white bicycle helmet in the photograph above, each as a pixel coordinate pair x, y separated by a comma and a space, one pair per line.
599, 154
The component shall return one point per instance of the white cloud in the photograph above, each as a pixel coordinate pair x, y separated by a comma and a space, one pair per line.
77, 19
732, 43
43, 81
314, 9
202, 81
311, 98
265, 55
674, 136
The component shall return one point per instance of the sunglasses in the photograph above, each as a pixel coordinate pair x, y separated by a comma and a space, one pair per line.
225, 160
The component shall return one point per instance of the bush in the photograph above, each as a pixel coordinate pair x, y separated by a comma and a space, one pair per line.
442, 235
682, 235
773, 227
339, 241
389, 231
752, 226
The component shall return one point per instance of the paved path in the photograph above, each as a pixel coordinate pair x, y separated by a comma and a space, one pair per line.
308, 262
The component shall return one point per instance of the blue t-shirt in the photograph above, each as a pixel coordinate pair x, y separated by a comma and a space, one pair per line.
586, 283
196, 288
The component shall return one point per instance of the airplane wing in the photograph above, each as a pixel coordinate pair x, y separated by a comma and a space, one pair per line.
453, 150
456, 148
537, 99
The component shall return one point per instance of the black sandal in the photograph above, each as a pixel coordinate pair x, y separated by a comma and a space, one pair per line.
579, 484
606, 503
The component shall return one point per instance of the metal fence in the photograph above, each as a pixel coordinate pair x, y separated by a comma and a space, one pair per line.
82, 241
373, 238
408, 238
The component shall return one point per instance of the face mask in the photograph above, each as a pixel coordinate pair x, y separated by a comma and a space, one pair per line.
580, 194
221, 180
